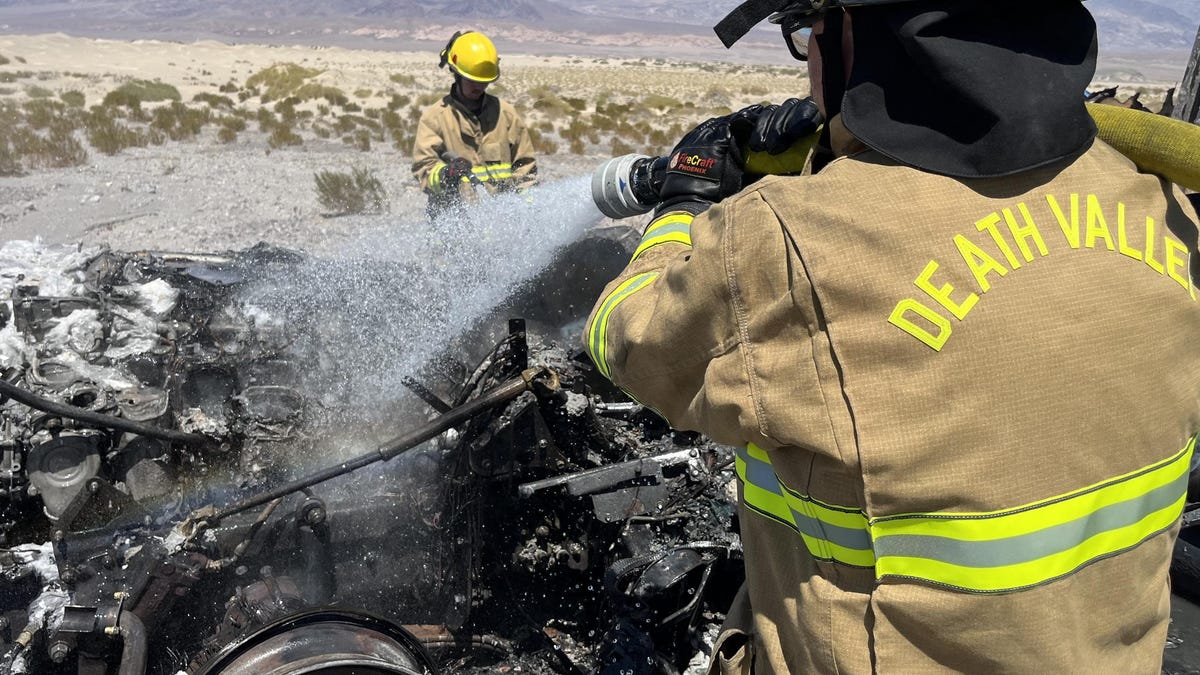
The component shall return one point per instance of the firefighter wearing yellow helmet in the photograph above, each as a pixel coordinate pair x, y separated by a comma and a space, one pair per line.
471, 141
957, 356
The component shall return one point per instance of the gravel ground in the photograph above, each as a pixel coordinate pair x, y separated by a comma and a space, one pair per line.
203, 197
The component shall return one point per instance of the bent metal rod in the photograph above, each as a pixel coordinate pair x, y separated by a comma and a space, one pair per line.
502, 393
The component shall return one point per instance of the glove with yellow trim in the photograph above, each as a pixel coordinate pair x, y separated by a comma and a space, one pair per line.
780, 126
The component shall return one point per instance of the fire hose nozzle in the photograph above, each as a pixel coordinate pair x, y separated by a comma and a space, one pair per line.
629, 185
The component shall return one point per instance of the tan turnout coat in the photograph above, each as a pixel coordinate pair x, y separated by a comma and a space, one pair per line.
496, 143
963, 408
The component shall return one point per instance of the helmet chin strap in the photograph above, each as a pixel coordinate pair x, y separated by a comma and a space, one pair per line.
833, 81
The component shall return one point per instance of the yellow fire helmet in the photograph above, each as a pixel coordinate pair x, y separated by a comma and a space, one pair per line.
471, 55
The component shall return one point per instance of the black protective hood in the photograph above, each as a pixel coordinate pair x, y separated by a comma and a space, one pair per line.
972, 89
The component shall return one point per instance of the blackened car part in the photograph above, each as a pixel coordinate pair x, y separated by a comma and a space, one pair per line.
325, 642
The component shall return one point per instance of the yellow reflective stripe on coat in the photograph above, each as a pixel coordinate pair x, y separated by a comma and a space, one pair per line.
1037, 543
831, 533
598, 331
675, 226
491, 172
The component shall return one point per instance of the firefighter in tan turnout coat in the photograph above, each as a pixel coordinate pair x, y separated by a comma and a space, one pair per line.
471, 139
959, 360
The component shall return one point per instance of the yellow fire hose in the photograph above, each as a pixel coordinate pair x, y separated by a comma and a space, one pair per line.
1160, 145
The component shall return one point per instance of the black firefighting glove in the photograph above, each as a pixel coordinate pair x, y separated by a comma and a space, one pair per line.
706, 166
455, 170
780, 126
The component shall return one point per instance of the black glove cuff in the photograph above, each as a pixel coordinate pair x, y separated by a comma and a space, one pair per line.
687, 204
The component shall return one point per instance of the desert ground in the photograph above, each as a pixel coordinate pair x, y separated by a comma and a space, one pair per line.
208, 147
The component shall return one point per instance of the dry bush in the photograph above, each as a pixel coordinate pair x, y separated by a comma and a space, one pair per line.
214, 100
34, 91
280, 80
142, 91
283, 135
542, 144
321, 131
660, 102
179, 122
620, 147
9, 78
4, 61
73, 98
41, 112
226, 135
577, 147
359, 140
363, 93
428, 99
398, 101
345, 193
403, 79
228, 88
110, 136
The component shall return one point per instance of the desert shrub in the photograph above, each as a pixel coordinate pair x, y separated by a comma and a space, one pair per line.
660, 102
428, 99
280, 80
620, 147
179, 122
58, 150
213, 100
10, 163
345, 193
398, 101
552, 105
4, 61
228, 88
322, 110
403, 79
322, 131
282, 135
34, 91
266, 120
9, 78
363, 93
577, 146
75, 99
19, 59
577, 104
143, 91
7, 91
226, 135
361, 140
351, 107
541, 143
659, 138
233, 123
754, 90
40, 112
122, 99
108, 135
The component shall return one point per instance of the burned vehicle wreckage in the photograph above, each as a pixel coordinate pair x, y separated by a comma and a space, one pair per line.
180, 492
176, 495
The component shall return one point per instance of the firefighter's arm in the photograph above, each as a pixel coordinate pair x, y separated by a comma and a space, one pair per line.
524, 162
427, 155
665, 330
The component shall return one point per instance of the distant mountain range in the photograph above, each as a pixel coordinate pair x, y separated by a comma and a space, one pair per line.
1125, 25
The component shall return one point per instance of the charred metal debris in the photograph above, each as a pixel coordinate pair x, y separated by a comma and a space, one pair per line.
178, 494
